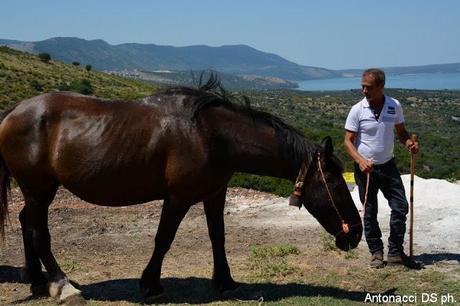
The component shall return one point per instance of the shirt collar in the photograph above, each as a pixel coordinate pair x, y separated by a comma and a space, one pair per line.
366, 103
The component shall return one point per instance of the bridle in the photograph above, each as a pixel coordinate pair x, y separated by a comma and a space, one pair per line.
298, 187
345, 226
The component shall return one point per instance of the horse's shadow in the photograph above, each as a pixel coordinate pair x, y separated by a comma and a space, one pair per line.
9, 274
430, 259
193, 290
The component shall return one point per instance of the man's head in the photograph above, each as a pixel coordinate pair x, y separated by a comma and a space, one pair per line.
373, 83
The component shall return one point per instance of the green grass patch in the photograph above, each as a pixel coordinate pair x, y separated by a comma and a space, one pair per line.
327, 242
272, 261
72, 265
263, 252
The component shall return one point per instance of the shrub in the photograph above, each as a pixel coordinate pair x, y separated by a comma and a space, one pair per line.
36, 85
44, 57
280, 187
82, 86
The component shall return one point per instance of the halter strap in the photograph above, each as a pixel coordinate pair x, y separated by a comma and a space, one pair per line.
345, 226
298, 191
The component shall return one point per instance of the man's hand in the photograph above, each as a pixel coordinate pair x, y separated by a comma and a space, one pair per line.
365, 165
412, 145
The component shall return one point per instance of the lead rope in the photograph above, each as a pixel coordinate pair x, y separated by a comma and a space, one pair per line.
345, 226
363, 211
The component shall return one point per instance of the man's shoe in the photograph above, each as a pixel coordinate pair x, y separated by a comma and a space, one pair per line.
403, 259
377, 260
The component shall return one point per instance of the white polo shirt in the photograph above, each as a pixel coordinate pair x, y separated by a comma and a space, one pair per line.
375, 138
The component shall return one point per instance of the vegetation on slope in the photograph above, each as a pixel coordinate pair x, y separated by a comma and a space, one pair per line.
433, 115
24, 75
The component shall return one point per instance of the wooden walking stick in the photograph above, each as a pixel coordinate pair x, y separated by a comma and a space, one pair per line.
411, 206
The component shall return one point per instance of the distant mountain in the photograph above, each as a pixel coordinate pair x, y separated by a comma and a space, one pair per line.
235, 59
436, 68
240, 60
189, 78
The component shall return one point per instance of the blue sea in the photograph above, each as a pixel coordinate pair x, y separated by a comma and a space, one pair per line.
428, 81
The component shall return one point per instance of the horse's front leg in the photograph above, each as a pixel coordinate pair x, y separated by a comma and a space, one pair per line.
171, 216
214, 209
37, 246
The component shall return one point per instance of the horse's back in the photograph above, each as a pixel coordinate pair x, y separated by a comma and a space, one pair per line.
108, 152
93, 147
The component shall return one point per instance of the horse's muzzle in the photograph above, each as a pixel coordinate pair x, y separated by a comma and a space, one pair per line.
349, 241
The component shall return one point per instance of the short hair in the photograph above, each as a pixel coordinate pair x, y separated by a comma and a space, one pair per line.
378, 74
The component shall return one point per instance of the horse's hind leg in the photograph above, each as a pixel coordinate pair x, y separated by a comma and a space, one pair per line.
37, 245
171, 216
32, 271
214, 210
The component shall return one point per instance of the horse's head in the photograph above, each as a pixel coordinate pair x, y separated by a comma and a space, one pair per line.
324, 193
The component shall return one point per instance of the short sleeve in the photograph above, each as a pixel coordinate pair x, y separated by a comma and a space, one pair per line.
352, 123
399, 113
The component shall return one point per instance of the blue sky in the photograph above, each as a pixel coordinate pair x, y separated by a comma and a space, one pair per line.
330, 33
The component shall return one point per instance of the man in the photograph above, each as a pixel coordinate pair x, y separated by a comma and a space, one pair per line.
369, 141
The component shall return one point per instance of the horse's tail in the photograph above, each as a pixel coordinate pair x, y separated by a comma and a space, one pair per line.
4, 190
5, 180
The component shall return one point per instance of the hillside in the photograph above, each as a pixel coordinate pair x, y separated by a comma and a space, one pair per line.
240, 60
191, 78
23, 75
431, 114
234, 59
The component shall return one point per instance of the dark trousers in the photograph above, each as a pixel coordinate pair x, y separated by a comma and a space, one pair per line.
387, 179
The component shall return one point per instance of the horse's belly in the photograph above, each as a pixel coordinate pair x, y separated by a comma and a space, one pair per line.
113, 190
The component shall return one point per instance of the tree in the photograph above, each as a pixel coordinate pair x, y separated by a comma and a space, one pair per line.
76, 64
45, 57
82, 86
88, 68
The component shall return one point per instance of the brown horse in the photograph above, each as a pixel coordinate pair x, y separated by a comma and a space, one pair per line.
181, 145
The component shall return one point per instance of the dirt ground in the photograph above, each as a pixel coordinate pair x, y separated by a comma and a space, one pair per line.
104, 250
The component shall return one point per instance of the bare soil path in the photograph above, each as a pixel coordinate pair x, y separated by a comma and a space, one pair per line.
104, 250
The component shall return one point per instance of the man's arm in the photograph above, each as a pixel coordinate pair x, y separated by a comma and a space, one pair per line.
405, 139
349, 140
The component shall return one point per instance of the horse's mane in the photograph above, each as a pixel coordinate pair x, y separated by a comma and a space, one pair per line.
293, 143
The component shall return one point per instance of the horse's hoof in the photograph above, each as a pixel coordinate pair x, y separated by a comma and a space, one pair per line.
153, 295
73, 300
230, 293
227, 288
39, 290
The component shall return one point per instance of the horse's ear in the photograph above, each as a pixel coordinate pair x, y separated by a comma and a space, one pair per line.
328, 149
